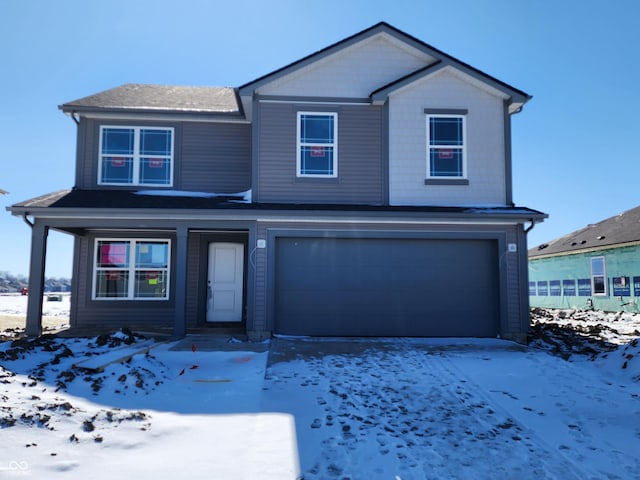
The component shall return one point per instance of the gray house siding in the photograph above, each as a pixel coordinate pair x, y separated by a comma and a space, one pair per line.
454, 253
208, 157
216, 157
360, 158
109, 314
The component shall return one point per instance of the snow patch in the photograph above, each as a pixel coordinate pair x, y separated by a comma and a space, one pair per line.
243, 197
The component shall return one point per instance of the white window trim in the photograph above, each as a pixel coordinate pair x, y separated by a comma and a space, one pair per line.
604, 274
132, 269
299, 146
429, 116
136, 156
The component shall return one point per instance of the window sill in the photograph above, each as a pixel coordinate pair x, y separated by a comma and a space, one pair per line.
446, 181
316, 180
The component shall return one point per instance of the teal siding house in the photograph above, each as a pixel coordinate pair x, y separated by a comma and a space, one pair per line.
596, 267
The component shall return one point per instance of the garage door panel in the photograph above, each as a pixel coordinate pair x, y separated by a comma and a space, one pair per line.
386, 287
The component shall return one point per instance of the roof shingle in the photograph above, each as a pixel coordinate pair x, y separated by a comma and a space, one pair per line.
160, 98
619, 229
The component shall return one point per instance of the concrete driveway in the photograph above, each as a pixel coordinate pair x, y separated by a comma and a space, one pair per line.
419, 409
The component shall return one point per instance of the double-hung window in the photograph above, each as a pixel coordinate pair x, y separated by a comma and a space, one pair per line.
136, 156
131, 269
446, 144
317, 144
598, 276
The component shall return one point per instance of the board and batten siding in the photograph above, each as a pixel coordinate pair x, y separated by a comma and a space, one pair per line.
208, 157
485, 143
359, 152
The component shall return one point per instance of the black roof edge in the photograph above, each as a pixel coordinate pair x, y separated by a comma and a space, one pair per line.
72, 109
437, 63
378, 26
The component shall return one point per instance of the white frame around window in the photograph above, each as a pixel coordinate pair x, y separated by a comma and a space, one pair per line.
462, 148
300, 145
603, 275
136, 156
131, 269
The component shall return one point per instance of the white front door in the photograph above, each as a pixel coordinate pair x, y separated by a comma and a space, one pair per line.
225, 282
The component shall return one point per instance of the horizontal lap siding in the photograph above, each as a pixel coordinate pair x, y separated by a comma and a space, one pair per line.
215, 157
360, 169
484, 144
515, 282
114, 314
194, 261
209, 157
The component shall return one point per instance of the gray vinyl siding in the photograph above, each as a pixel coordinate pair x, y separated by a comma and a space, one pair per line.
194, 310
208, 157
216, 157
360, 157
115, 314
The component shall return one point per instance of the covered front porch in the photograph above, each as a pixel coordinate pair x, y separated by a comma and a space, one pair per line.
197, 251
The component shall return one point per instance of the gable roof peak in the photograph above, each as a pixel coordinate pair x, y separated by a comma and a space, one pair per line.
518, 97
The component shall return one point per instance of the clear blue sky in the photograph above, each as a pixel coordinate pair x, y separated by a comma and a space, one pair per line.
573, 153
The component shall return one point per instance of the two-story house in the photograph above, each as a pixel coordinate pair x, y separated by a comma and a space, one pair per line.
364, 190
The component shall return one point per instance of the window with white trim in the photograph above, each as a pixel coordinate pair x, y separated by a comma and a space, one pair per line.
446, 156
317, 144
598, 276
131, 269
135, 156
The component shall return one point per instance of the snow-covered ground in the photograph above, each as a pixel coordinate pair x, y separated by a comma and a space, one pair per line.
566, 407
55, 310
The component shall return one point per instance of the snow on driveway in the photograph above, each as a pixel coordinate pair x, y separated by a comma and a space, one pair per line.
428, 409
567, 407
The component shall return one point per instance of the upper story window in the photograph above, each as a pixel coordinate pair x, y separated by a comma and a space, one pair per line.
317, 144
446, 157
136, 156
598, 276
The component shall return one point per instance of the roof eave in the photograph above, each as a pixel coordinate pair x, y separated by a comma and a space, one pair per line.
70, 109
516, 98
270, 212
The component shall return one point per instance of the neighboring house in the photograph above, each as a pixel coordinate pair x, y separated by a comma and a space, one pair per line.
596, 267
364, 190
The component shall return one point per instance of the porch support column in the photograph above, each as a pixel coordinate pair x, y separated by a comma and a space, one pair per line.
180, 282
39, 233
